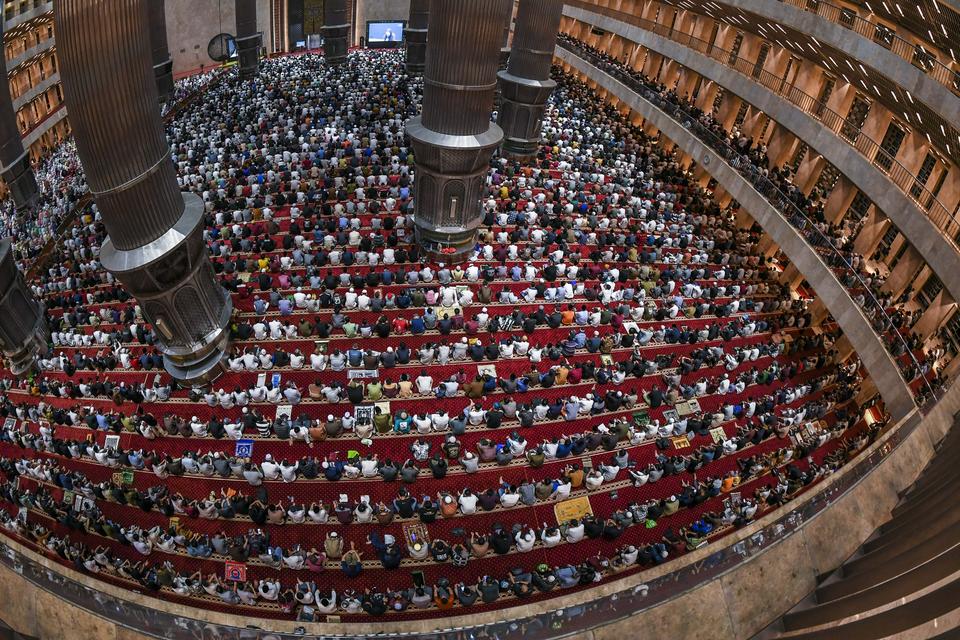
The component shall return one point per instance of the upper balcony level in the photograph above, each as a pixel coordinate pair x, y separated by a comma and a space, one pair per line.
18, 12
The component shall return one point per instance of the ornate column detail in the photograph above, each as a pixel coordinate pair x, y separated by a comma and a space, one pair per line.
416, 35
248, 38
336, 28
162, 62
155, 245
453, 137
525, 85
16, 169
23, 332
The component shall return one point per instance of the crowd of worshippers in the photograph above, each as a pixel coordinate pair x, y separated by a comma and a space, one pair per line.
60, 184
306, 182
336, 553
549, 365
424, 453
853, 269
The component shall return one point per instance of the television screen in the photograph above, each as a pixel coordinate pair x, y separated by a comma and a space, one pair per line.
384, 34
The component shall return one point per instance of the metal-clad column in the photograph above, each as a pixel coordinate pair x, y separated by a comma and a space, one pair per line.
525, 85
453, 137
155, 245
162, 62
248, 38
23, 331
416, 35
16, 170
336, 27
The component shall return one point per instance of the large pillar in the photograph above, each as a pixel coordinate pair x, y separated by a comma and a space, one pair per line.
453, 137
416, 35
336, 27
525, 85
155, 245
248, 38
162, 62
23, 332
16, 169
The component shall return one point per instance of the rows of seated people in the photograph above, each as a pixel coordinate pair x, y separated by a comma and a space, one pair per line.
615, 337
854, 271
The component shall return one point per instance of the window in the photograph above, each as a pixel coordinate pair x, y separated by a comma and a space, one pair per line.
951, 333
718, 100
883, 36
889, 146
761, 59
735, 50
828, 179
713, 36
763, 129
859, 206
825, 92
930, 290
923, 58
936, 190
813, 5
888, 238
798, 155
741, 115
856, 116
923, 175
696, 89
902, 250
847, 17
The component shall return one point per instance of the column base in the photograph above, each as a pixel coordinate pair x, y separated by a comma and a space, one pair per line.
172, 279
448, 245
520, 149
335, 43
523, 104
201, 368
24, 360
248, 52
451, 172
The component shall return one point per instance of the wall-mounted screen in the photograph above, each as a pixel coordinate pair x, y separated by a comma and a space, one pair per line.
382, 33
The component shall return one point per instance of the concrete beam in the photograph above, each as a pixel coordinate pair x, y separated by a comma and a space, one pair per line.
894, 390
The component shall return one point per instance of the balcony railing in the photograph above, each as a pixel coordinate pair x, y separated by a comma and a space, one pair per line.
898, 346
906, 181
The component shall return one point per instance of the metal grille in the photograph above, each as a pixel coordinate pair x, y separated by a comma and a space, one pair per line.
930, 289
889, 146
859, 206
856, 116
193, 313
